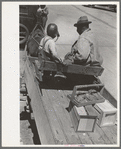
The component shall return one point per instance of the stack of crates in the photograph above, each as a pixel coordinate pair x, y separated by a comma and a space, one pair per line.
84, 116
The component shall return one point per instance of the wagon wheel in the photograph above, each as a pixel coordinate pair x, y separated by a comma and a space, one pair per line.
23, 34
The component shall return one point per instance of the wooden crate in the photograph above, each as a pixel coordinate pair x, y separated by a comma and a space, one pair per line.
107, 113
95, 98
83, 118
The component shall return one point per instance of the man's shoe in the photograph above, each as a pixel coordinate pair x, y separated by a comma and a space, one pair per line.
59, 75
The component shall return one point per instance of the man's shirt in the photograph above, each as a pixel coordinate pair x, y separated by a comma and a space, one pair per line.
87, 48
50, 46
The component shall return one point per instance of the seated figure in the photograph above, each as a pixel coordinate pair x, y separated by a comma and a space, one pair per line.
48, 45
85, 50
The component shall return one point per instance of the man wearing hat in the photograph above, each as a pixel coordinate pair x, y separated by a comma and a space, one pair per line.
41, 15
85, 49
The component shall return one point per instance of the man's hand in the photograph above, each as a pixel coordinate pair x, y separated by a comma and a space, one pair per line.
74, 51
65, 64
62, 62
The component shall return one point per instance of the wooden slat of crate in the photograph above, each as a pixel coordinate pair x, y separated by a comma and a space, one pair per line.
107, 113
85, 139
53, 120
60, 105
44, 130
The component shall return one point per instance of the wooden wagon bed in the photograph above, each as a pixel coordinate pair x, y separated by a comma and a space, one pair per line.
50, 109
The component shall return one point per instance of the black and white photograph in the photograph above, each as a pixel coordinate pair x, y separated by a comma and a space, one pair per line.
65, 64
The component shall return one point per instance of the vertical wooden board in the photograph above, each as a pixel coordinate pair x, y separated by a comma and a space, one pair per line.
63, 117
84, 137
111, 133
43, 127
53, 119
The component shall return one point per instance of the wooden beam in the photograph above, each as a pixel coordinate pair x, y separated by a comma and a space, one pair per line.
76, 69
41, 119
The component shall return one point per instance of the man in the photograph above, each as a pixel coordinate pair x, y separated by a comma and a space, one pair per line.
85, 50
48, 45
41, 15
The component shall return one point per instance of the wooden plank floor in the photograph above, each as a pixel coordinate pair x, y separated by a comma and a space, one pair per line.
58, 105
50, 107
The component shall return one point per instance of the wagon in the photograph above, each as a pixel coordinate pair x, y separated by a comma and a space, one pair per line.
49, 103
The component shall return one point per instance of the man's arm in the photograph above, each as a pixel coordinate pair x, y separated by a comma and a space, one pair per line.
82, 48
73, 50
53, 51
